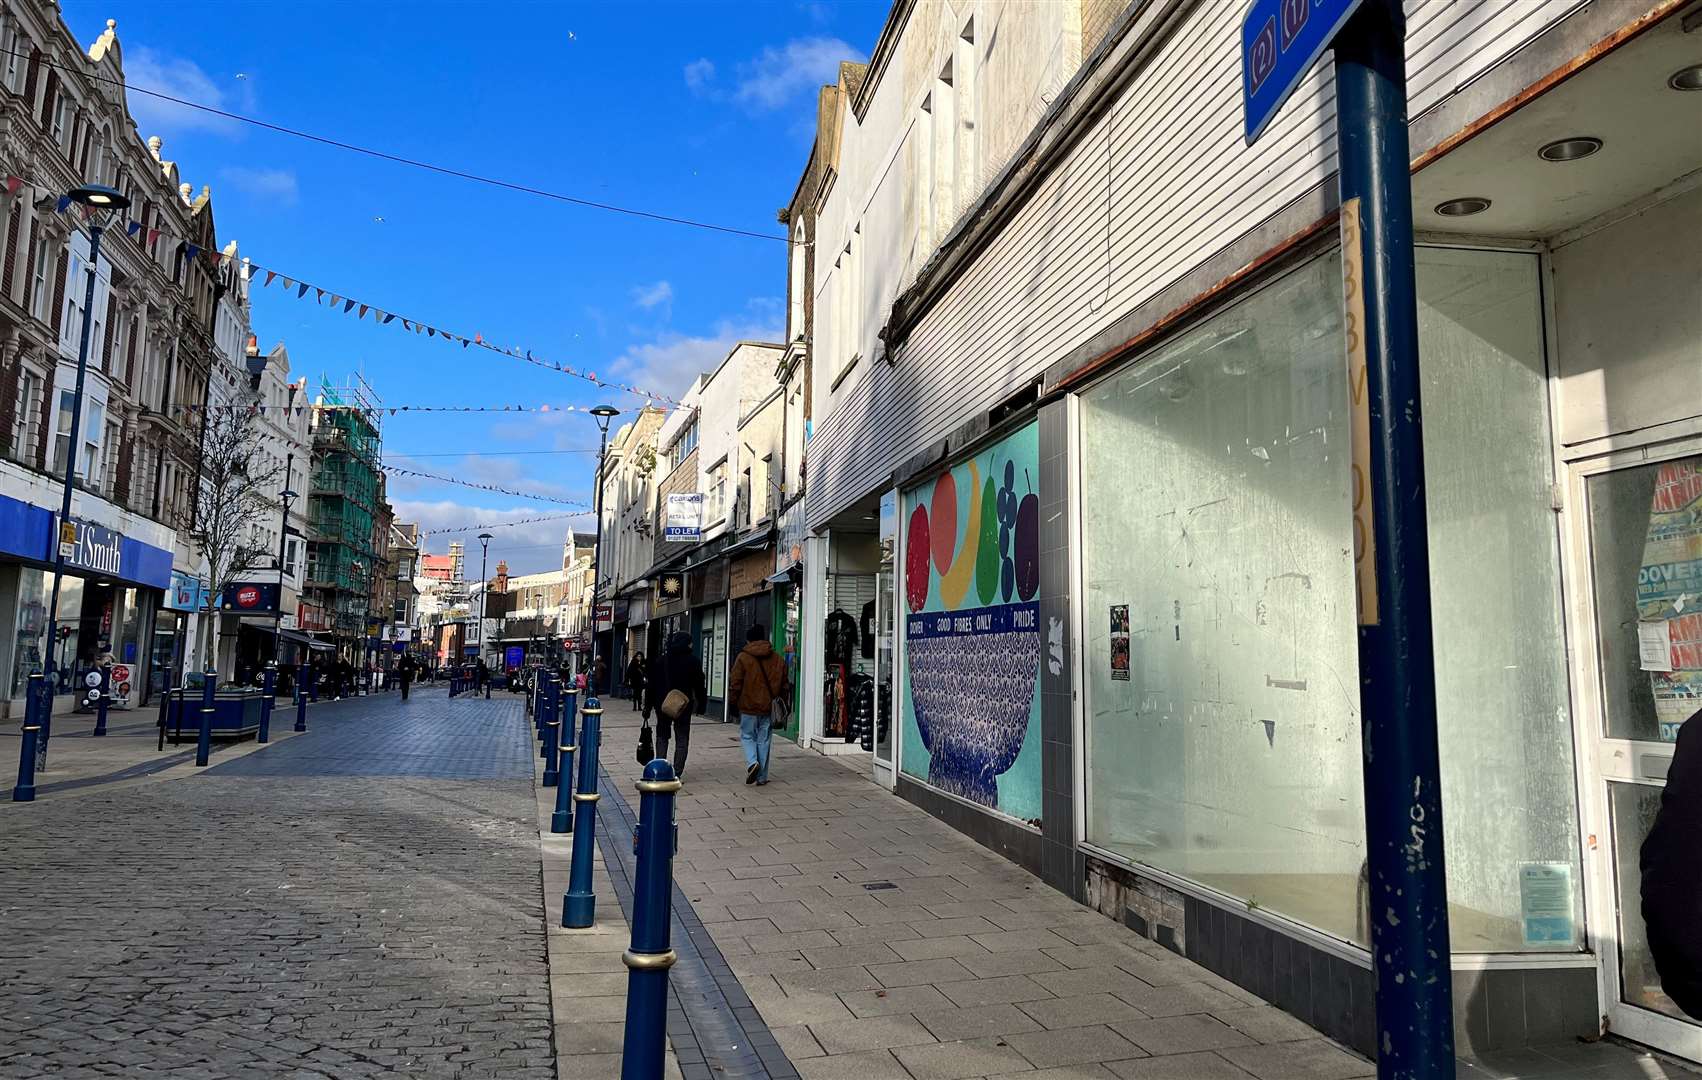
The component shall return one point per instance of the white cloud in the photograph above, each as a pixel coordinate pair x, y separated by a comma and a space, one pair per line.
699, 74
668, 364
149, 69
780, 73
504, 472
650, 296
276, 184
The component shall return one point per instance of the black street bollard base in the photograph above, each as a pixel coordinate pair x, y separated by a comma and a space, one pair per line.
204, 738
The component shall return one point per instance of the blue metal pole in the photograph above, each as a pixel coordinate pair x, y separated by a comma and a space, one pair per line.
1403, 804
104, 702
562, 820
651, 955
204, 740
548, 694
269, 684
301, 698
552, 741
579, 904
31, 745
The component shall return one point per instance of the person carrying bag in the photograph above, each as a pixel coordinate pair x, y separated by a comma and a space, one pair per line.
756, 689
674, 691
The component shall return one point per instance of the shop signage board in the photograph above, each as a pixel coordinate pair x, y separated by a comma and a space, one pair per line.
93, 547
1280, 41
250, 597
187, 593
682, 519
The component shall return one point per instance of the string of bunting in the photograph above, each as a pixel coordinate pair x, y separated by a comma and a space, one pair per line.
256, 407
265, 276
399, 471
504, 524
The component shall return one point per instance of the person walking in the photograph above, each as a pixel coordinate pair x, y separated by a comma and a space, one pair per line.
757, 679
635, 681
1672, 900
405, 673
481, 677
678, 669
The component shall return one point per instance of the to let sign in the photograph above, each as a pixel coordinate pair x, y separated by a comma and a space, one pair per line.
1280, 41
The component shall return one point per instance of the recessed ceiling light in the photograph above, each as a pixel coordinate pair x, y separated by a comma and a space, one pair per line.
1579, 146
1686, 78
1465, 207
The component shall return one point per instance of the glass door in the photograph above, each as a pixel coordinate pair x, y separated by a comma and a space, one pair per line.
886, 682
1644, 521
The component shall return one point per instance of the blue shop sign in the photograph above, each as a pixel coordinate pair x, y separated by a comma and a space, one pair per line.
27, 532
1280, 41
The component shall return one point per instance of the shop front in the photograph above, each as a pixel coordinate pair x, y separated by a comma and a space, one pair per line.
707, 588
111, 588
1215, 617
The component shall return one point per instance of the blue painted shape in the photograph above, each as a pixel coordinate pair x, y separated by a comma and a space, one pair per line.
1280, 41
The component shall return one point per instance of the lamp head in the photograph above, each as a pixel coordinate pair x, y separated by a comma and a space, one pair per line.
99, 197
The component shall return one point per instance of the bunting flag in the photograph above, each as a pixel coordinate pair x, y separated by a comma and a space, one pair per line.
504, 524
191, 250
399, 471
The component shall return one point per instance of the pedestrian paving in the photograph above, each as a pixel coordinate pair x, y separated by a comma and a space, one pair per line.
877, 943
329, 922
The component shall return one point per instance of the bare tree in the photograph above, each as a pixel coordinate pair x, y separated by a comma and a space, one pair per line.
235, 498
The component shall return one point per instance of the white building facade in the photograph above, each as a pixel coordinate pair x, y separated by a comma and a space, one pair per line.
1077, 400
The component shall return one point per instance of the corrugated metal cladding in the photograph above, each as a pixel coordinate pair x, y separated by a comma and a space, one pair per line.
1163, 182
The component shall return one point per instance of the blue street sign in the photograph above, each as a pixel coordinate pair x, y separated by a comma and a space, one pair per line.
1280, 41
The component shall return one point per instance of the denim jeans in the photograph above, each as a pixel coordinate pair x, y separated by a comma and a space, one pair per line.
756, 733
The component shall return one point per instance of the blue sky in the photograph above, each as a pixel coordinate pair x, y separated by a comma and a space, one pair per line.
694, 110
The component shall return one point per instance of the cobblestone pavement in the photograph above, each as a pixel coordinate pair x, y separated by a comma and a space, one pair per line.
362, 901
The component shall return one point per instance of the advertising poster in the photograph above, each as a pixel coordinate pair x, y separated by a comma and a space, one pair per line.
1120, 642
971, 580
1669, 595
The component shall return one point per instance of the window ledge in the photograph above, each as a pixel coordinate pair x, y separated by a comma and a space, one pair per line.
850, 366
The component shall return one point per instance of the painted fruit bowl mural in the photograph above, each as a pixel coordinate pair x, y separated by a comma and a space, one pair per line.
972, 624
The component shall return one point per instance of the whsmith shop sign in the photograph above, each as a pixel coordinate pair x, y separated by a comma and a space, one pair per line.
28, 532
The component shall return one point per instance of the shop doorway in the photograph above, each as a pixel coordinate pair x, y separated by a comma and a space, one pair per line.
1639, 547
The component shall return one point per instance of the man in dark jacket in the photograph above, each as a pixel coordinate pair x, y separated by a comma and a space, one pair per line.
405, 673
1672, 874
678, 669
759, 676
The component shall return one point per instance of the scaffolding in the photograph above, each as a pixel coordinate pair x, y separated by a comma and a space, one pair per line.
344, 494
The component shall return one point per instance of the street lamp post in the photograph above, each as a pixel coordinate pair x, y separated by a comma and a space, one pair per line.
603, 414
97, 201
286, 496
485, 539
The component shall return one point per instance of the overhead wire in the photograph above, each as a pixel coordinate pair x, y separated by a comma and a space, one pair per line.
414, 163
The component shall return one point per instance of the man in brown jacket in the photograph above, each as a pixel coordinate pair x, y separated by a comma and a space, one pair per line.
759, 676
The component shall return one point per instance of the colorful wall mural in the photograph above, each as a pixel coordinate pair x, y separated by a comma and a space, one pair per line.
972, 628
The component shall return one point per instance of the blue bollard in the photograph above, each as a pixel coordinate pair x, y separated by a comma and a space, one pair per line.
269, 684
550, 691
562, 820
204, 740
104, 702
579, 904
552, 744
301, 698
651, 955
25, 789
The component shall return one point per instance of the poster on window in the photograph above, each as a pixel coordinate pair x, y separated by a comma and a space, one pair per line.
1120, 642
1669, 595
971, 725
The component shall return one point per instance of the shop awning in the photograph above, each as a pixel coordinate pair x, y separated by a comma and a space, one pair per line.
289, 635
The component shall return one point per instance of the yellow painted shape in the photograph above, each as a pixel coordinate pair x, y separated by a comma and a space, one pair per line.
954, 585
